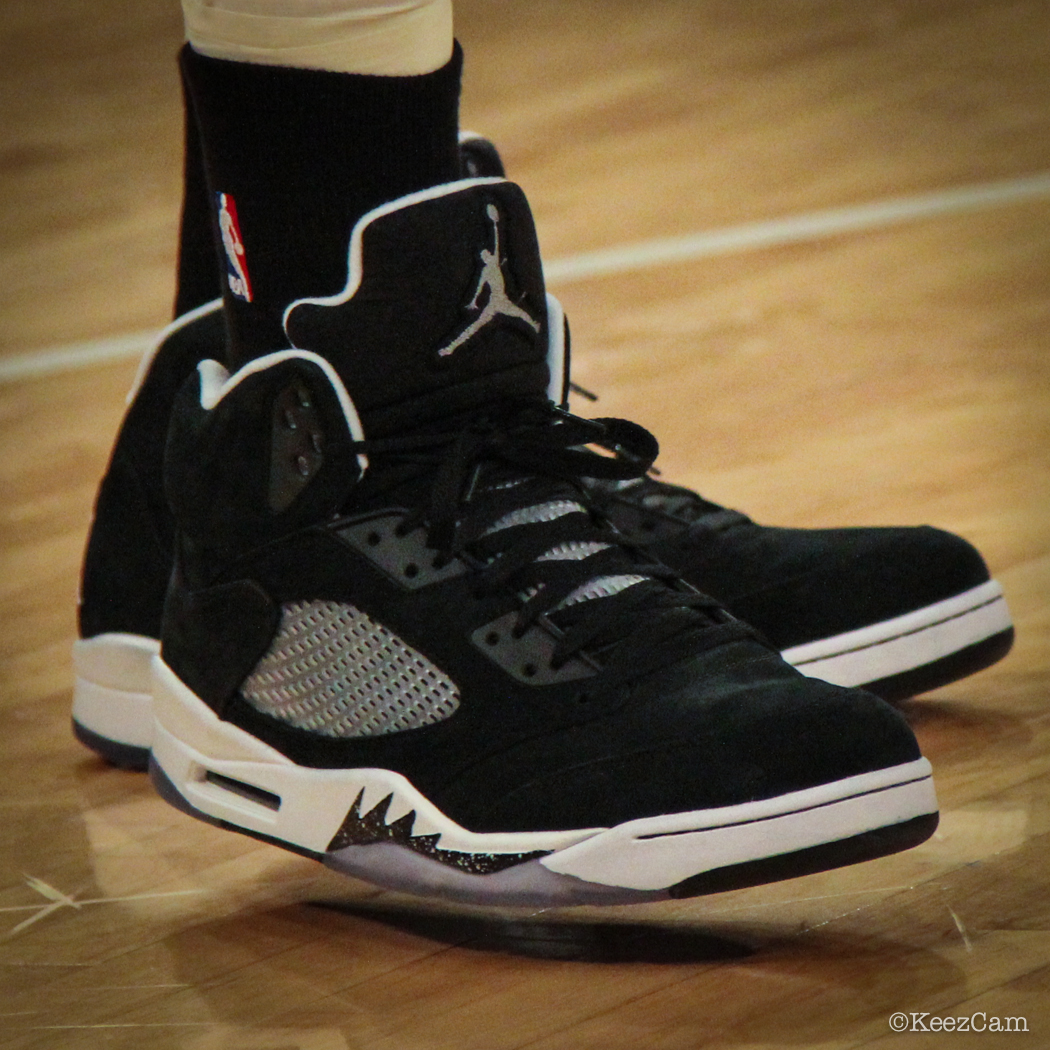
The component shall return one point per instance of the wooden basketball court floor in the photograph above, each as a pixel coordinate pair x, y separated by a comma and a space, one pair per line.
801, 355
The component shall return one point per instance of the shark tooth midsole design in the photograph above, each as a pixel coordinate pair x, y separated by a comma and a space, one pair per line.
225, 775
902, 643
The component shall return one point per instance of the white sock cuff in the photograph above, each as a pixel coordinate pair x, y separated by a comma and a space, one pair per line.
377, 37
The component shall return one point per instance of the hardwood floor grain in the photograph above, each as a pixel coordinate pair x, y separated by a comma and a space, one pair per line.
892, 375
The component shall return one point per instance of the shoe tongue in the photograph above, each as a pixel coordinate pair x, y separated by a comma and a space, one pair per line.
444, 309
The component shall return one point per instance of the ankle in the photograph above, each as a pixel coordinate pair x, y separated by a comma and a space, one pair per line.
297, 156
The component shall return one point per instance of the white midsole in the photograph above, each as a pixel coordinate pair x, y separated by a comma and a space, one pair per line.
651, 853
655, 852
112, 691
905, 642
190, 741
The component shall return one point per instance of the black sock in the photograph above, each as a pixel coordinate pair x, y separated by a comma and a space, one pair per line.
198, 267
293, 157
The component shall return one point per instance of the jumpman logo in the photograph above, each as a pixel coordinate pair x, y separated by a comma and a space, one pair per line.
498, 303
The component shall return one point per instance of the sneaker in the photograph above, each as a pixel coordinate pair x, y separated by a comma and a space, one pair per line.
397, 639
895, 611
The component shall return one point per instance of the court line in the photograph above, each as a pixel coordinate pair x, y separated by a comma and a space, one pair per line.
75, 355
795, 229
792, 229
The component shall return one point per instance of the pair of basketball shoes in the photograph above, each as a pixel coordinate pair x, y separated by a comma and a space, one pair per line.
380, 599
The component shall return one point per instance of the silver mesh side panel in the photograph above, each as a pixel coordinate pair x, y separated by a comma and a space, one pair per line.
333, 670
573, 550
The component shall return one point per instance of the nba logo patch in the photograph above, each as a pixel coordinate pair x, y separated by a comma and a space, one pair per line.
236, 261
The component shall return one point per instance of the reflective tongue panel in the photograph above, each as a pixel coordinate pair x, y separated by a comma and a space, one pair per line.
575, 550
444, 308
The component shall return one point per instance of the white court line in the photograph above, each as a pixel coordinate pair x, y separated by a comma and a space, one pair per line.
75, 355
793, 229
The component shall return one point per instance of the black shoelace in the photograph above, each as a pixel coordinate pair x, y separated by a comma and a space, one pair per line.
661, 497
671, 501
503, 492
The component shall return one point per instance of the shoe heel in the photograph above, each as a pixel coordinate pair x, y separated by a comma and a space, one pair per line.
225, 776
112, 701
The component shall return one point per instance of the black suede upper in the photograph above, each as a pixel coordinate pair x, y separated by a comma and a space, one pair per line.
800, 585
729, 724
129, 551
675, 707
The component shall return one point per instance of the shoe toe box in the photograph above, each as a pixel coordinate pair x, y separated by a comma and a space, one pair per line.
800, 585
749, 730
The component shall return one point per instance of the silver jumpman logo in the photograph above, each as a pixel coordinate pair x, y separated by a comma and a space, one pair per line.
498, 302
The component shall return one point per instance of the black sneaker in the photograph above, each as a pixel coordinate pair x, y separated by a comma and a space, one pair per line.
845, 604
397, 639
898, 611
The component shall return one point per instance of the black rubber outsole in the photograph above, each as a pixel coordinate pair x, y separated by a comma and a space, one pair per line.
126, 756
869, 845
947, 669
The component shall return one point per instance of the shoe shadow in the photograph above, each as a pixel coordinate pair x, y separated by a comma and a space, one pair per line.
763, 984
955, 726
567, 941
